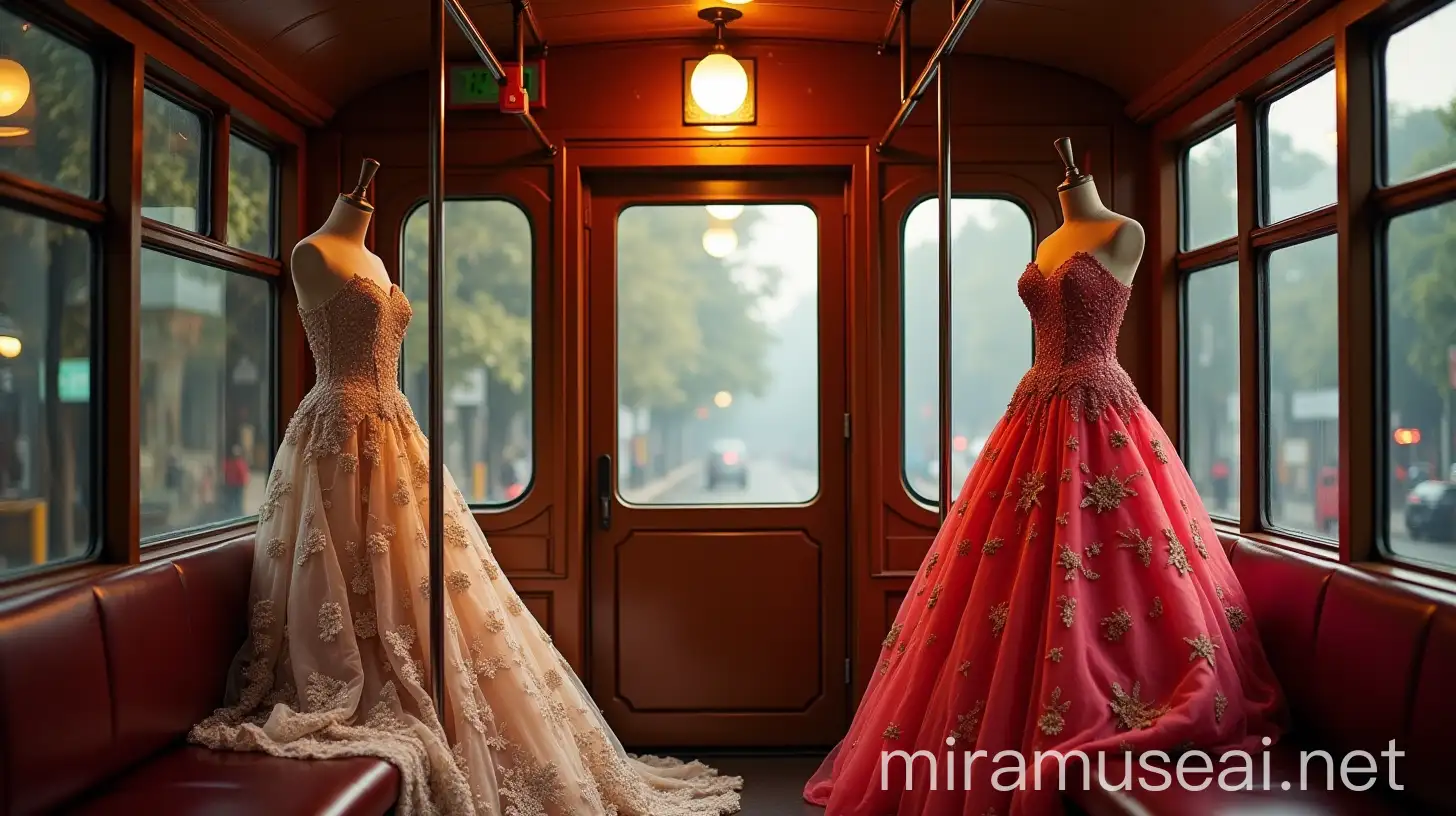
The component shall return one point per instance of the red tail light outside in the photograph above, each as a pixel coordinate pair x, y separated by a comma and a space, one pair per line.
1412, 499
730, 458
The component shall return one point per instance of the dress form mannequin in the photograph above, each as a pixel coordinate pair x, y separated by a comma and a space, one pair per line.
324, 262
1116, 241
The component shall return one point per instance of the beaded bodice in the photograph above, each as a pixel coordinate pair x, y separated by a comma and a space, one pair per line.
356, 337
1076, 313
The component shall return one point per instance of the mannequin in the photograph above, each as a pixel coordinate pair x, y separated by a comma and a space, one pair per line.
1116, 241
324, 262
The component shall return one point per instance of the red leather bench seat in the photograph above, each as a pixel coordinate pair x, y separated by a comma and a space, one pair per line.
1363, 660
100, 682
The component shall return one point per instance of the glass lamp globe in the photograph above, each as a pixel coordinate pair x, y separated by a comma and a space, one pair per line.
720, 242
15, 86
719, 84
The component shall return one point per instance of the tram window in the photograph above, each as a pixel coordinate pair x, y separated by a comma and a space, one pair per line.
489, 278
172, 157
251, 197
52, 137
718, 354
1421, 380
47, 472
207, 395
1210, 190
992, 242
1420, 91
1211, 386
1302, 407
1299, 150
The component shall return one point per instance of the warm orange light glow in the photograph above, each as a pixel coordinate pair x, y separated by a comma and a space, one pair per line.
719, 84
15, 87
723, 399
1407, 436
9, 346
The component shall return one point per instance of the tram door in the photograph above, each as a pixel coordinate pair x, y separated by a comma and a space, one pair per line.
718, 437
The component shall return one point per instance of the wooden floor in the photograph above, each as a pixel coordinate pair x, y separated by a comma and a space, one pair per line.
772, 785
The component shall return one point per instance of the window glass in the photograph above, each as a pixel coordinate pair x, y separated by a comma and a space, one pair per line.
718, 354
1420, 97
206, 394
1211, 387
251, 197
1421, 378
1210, 190
172, 155
48, 496
1299, 148
991, 244
489, 351
1302, 361
47, 108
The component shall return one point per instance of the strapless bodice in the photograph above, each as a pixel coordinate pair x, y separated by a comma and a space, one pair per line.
1076, 313
356, 336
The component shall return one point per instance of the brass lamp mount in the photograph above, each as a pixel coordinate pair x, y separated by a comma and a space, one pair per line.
720, 18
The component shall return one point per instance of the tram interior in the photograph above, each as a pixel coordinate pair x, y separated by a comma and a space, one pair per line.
717, 348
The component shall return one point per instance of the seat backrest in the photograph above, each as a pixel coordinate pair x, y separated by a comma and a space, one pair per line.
95, 677
1363, 659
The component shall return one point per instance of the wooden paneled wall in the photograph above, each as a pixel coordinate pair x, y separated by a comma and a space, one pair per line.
620, 105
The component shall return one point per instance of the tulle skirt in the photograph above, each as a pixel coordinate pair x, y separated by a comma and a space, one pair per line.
1076, 598
335, 663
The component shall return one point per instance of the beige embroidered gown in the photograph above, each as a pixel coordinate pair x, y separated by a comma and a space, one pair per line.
335, 661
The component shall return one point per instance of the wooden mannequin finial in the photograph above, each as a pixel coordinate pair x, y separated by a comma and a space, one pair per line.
1075, 176
366, 175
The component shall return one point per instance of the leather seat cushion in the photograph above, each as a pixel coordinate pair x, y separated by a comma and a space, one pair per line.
191, 780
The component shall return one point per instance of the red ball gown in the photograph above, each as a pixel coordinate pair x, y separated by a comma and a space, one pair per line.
1075, 598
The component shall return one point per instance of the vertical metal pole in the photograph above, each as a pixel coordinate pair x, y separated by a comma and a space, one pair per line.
943, 182
905, 49
437, 362
519, 42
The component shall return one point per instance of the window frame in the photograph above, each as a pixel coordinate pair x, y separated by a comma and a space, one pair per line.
1350, 40
208, 246
414, 206
275, 186
128, 57
1183, 354
207, 181
88, 214
1026, 209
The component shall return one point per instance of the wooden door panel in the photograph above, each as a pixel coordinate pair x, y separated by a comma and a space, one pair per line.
703, 639
715, 622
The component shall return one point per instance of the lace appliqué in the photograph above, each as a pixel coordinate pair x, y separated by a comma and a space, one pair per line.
1068, 608
1032, 484
1177, 556
1203, 648
1117, 624
1106, 492
1076, 311
1133, 539
1000, 613
1053, 717
1133, 713
1071, 561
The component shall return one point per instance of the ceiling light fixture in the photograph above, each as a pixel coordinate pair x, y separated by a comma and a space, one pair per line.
719, 84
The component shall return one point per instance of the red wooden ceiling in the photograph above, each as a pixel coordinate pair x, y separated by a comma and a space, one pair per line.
339, 48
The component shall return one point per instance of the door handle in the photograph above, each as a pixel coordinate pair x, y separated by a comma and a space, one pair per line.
604, 490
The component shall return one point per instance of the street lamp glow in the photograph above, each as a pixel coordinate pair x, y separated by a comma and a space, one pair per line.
723, 399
